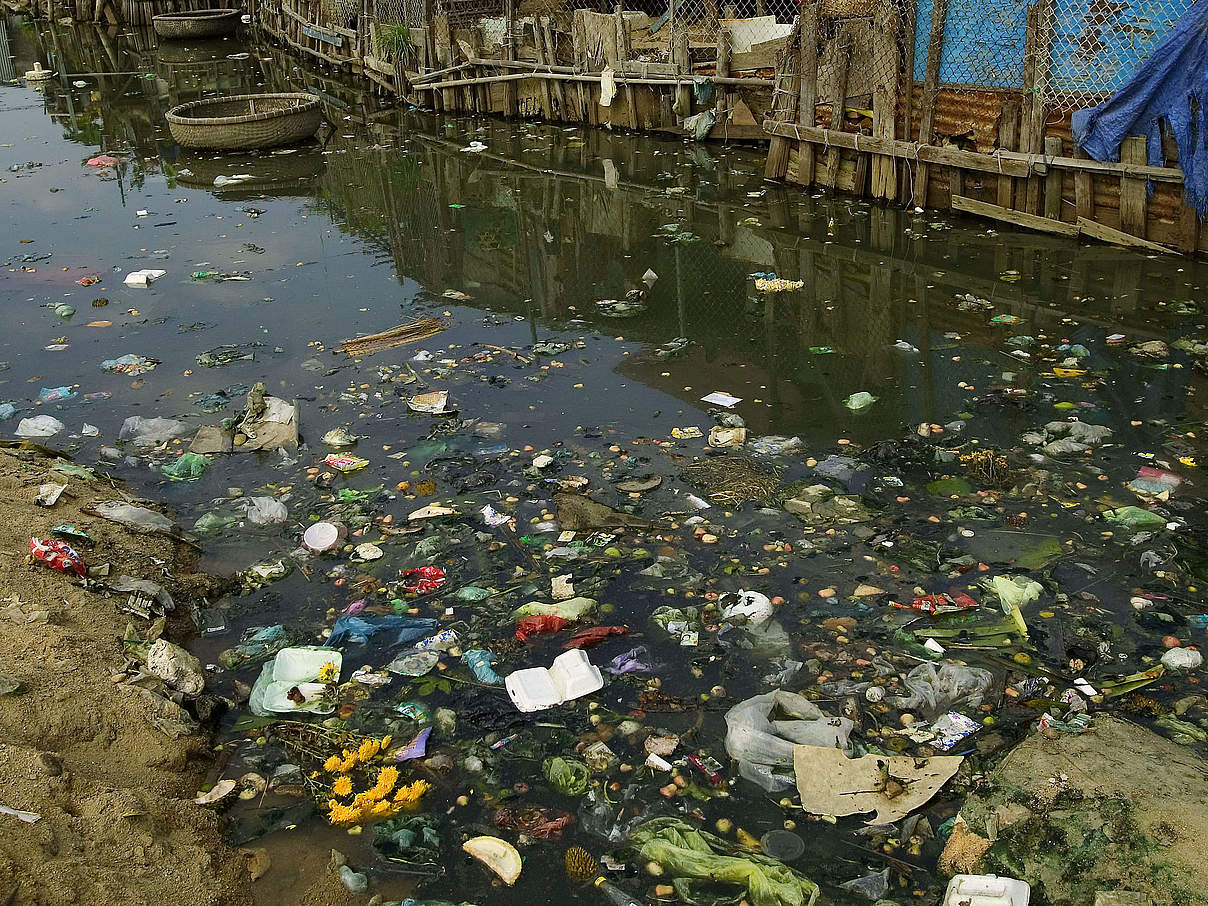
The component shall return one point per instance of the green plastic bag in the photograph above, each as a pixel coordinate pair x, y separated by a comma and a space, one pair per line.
1133, 517
567, 774
687, 854
861, 400
186, 467
1014, 591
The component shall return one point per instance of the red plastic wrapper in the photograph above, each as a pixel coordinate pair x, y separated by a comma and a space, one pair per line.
57, 555
594, 635
527, 627
943, 603
423, 580
542, 823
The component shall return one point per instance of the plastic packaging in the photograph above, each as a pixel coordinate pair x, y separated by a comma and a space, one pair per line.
571, 676
136, 518
149, 432
861, 400
57, 555
936, 689
764, 729
293, 667
39, 426
186, 467
480, 662
321, 536
750, 607
987, 890
263, 510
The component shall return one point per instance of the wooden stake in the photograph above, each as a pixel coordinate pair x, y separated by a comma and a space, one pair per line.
511, 101
1084, 189
807, 88
838, 100
885, 96
1040, 81
1008, 132
1052, 180
547, 97
931, 79
1134, 193
723, 69
551, 57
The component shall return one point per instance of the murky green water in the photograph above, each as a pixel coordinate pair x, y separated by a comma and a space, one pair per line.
391, 219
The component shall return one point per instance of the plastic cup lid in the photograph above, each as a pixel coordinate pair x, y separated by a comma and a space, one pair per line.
321, 536
783, 845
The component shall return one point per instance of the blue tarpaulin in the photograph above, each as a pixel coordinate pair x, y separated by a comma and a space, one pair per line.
1171, 86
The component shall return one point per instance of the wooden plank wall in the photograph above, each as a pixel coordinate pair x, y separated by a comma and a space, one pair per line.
998, 153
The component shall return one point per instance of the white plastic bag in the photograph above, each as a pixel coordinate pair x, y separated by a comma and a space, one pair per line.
755, 739
935, 690
39, 426
148, 432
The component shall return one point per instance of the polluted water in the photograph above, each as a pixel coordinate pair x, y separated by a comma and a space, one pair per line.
740, 537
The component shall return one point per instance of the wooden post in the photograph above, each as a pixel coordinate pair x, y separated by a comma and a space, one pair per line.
885, 96
551, 57
443, 43
723, 71
1036, 115
430, 48
547, 97
683, 67
622, 59
511, 103
931, 79
909, 26
1008, 133
838, 101
1084, 189
1053, 179
1134, 193
956, 184
807, 88
777, 165
1189, 229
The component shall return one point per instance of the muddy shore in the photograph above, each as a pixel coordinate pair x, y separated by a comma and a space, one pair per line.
79, 746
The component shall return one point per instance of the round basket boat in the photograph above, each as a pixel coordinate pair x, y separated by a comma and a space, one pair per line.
245, 121
202, 23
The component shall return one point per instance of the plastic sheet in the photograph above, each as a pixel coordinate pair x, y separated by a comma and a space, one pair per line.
936, 689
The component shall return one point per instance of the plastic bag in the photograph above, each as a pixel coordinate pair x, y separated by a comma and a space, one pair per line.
1015, 591
149, 432
1130, 516
936, 689
186, 467
566, 774
527, 627
635, 660
57, 555
359, 630
763, 729
861, 400
39, 426
136, 518
423, 580
263, 510
480, 662
686, 854
594, 635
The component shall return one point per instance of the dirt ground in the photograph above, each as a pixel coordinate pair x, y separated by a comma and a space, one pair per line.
1118, 808
117, 826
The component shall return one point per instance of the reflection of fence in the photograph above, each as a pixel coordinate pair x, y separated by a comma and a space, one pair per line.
966, 104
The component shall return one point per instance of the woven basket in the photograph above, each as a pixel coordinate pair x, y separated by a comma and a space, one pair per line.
204, 23
245, 121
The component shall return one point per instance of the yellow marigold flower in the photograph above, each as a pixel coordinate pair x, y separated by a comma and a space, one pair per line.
368, 750
412, 792
386, 740
342, 786
329, 672
364, 800
332, 764
386, 780
343, 815
382, 810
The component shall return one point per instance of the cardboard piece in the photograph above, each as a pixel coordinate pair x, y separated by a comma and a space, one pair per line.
830, 783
